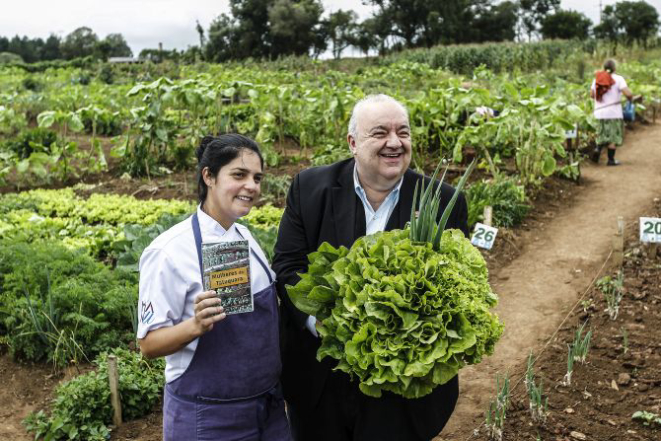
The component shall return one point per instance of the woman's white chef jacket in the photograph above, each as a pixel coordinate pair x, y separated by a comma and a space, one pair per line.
170, 280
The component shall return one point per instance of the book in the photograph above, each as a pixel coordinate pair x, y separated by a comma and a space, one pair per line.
226, 268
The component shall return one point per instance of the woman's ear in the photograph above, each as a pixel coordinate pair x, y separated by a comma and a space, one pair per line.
208, 179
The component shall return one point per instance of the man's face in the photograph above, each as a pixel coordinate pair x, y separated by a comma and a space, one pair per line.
382, 148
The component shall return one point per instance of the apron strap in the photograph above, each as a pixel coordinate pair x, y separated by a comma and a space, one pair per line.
266, 269
198, 245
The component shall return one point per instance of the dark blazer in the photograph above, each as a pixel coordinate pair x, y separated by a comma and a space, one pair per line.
322, 206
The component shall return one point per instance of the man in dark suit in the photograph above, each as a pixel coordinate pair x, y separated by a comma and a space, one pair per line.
337, 204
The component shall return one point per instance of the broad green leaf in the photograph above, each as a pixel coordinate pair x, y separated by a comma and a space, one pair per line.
46, 119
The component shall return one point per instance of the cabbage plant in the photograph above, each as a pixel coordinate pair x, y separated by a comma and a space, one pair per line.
403, 310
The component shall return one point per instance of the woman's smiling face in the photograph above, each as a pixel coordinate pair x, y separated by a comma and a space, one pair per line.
235, 189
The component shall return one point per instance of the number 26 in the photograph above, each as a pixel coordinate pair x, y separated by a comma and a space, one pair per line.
481, 233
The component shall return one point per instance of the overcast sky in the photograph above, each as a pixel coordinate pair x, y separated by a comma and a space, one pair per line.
145, 23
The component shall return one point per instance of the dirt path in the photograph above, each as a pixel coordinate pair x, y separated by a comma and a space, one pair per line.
538, 288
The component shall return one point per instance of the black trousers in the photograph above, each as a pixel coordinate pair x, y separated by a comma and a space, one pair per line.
343, 413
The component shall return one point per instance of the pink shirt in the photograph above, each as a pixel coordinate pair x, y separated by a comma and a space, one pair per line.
610, 106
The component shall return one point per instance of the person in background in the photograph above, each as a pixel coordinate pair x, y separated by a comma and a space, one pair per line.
607, 90
222, 372
339, 203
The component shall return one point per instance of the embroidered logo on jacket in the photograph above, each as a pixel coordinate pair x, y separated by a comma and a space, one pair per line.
146, 313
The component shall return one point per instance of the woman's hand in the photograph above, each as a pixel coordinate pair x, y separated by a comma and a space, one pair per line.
170, 339
208, 310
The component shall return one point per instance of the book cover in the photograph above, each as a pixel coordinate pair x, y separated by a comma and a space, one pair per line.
227, 271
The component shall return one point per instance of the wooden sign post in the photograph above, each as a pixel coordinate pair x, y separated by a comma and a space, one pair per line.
488, 215
113, 378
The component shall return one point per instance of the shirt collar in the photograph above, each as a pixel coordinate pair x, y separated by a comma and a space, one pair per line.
359, 188
207, 223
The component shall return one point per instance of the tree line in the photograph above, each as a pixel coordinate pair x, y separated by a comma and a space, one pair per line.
274, 28
82, 42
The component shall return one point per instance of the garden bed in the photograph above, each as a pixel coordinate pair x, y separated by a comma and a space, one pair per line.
622, 373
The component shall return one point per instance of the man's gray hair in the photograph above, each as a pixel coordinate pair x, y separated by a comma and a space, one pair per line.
370, 99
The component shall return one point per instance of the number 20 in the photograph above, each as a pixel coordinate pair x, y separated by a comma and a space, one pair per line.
652, 228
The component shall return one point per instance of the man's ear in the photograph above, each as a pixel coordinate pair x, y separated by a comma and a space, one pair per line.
352, 143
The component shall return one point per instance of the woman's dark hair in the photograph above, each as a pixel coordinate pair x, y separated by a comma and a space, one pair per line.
610, 65
215, 152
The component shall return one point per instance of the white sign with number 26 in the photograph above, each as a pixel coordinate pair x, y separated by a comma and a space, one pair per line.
484, 236
650, 229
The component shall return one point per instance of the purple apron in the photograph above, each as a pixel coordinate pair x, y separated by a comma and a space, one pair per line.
231, 389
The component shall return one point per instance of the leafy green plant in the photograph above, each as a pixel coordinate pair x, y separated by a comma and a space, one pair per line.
11, 122
274, 188
330, 154
152, 131
32, 140
264, 216
28, 226
111, 209
138, 237
106, 74
56, 302
81, 409
504, 195
265, 236
647, 418
29, 83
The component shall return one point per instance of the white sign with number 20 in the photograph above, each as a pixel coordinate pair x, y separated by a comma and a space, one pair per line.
650, 229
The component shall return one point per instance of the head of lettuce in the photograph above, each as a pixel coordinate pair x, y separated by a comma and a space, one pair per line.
402, 310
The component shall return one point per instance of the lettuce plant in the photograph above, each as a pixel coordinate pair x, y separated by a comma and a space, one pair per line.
398, 313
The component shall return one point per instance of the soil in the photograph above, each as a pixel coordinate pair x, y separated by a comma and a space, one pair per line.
539, 270
23, 389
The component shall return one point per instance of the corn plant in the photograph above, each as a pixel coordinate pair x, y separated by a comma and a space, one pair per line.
538, 404
497, 411
613, 293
